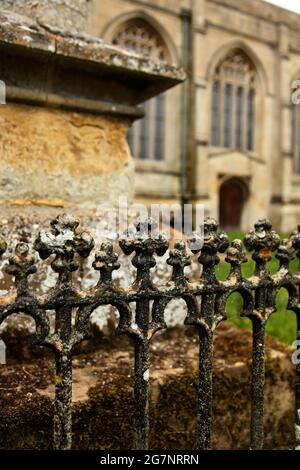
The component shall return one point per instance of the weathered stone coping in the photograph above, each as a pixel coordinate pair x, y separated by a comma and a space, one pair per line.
42, 65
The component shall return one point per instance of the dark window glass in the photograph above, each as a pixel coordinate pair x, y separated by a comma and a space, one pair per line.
250, 120
159, 127
239, 117
227, 115
130, 140
215, 129
144, 135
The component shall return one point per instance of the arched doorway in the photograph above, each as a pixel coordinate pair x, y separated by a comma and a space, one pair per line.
233, 195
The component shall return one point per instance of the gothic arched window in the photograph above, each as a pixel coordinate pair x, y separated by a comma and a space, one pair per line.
146, 137
233, 102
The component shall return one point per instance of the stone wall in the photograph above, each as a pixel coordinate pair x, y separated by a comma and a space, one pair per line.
70, 15
55, 154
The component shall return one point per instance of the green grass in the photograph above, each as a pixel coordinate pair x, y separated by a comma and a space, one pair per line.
282, 324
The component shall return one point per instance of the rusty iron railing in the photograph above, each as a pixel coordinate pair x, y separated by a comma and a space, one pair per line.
205, 299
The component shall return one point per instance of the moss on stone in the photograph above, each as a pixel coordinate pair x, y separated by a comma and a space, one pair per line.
103, 420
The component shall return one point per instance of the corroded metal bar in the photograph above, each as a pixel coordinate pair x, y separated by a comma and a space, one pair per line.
214, 242
144, 244
297, 391
205, 391
64, 241
205, 299
257, 385
262, 241
62, 433
294, 304
141, 395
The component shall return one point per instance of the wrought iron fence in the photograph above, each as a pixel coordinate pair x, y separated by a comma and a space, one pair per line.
205, 299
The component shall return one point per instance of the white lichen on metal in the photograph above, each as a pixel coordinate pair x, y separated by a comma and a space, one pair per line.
146, 375
56, 240
297, 431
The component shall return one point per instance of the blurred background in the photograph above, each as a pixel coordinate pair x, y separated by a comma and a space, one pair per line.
229, 136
